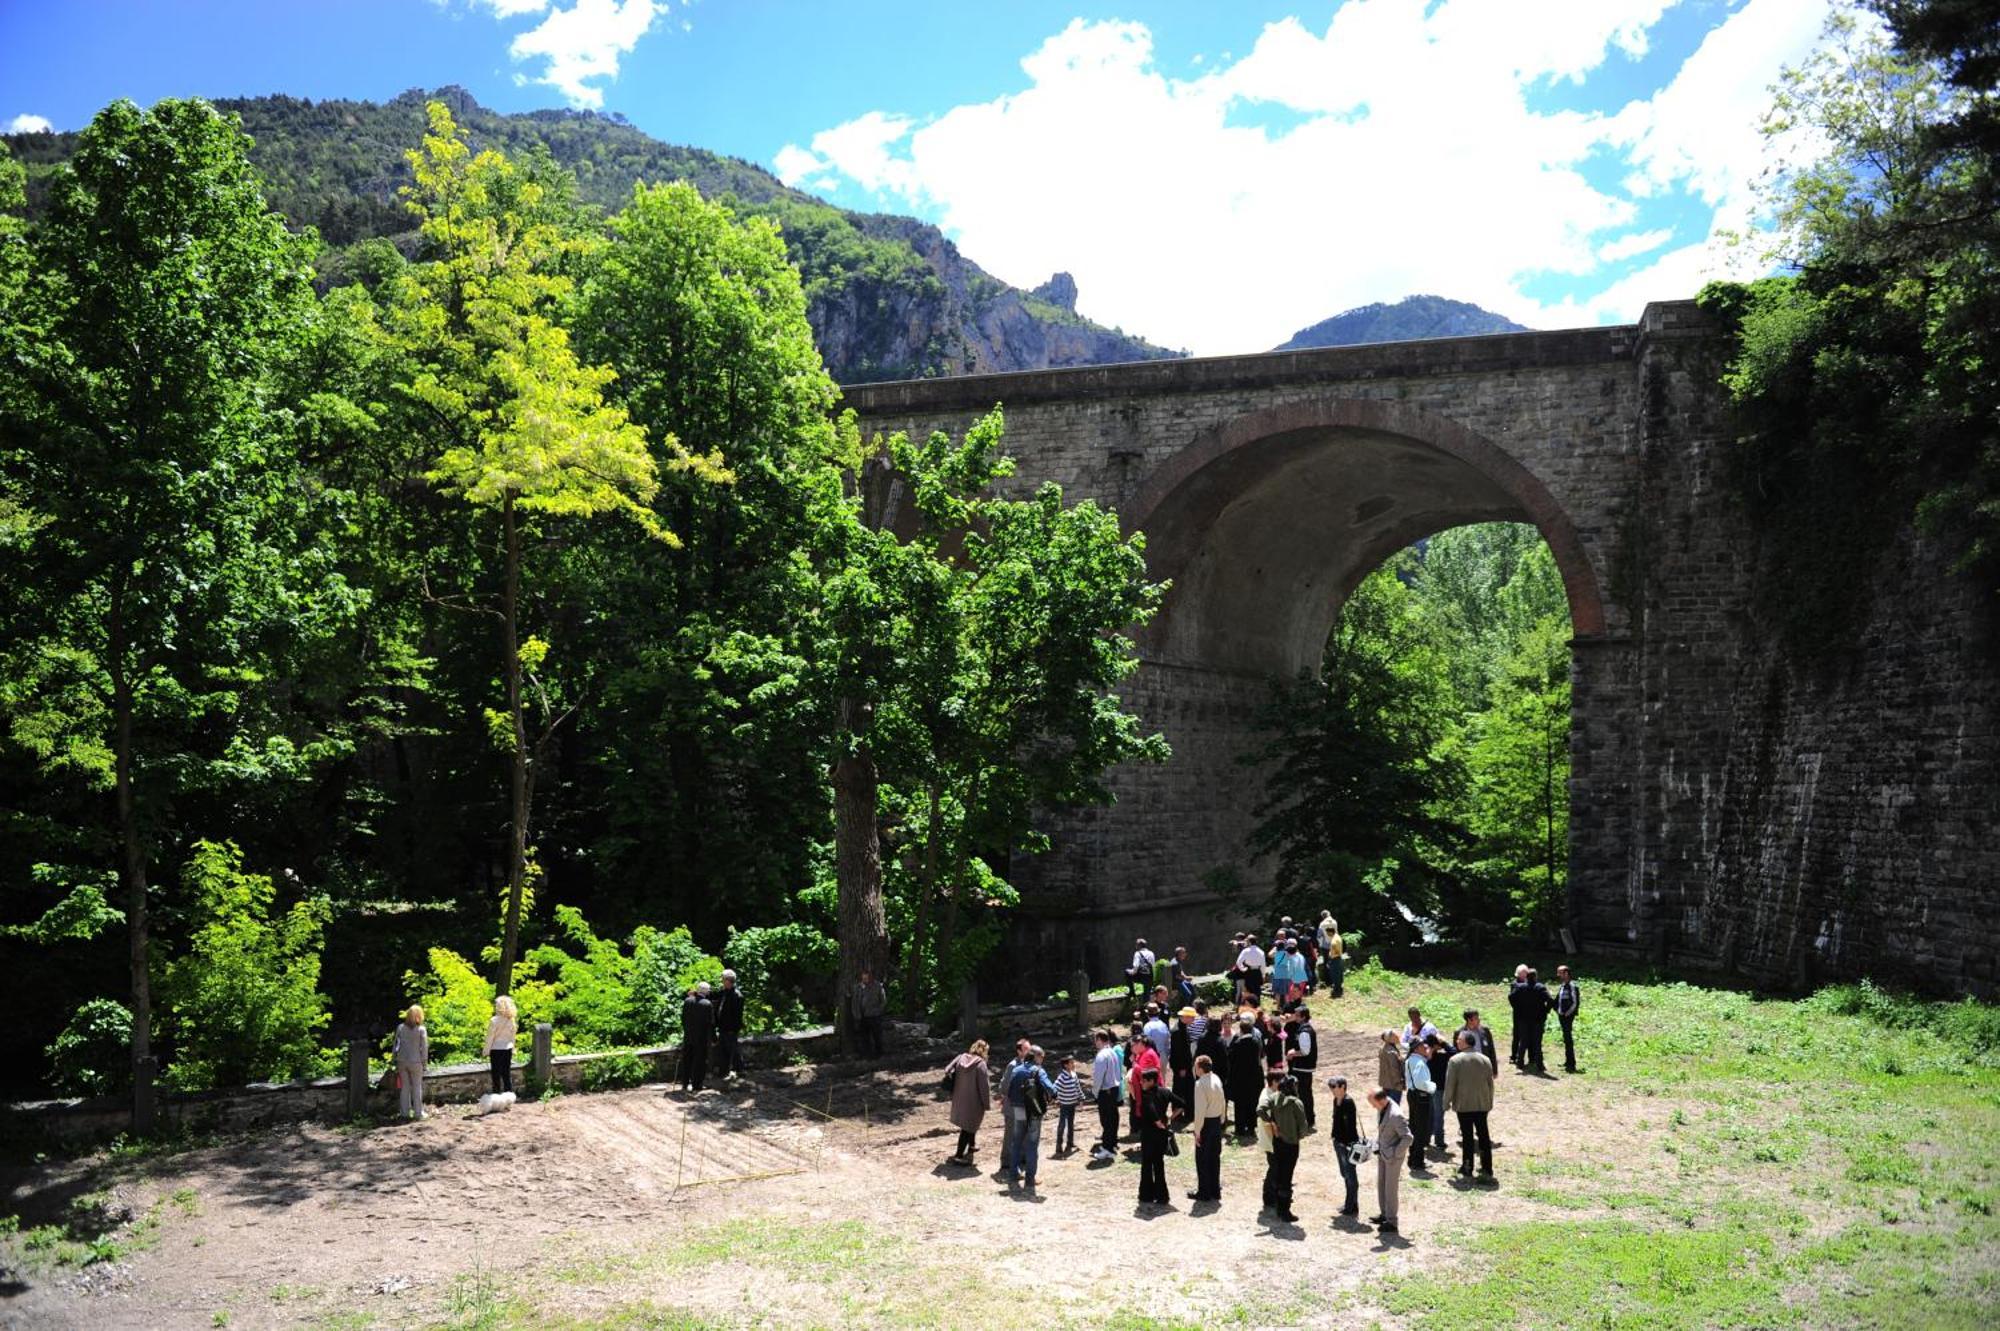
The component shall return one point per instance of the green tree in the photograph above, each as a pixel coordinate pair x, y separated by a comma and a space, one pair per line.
1360, 781
521, 425
173, 569
1864, 377
1517, 761
245, 997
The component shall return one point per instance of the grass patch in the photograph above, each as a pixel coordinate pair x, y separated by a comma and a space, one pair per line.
1598, 1274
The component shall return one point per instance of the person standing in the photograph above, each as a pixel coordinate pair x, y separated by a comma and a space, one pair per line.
1107, 1074
1210, 1104
1069, 1094
1468, 1093
412, 1053
1156, 1032
1021, 1048
869, 1002
500, 1032
1417, 1029
1517, 1036
1180, 1056
1212, 1037
1568, 1003
1144, 1057
971, 1097
1246, 1076
1346, 1135
1534, 1013
1482, 1037
1250, 962
729, 1028
1302, 1058
1440, 1064
1028, 1093
1419, 1088
1156, 1107
1389, 1066
1140, 973
1392, 1143
697, 1033
1287, 1116
1335, 951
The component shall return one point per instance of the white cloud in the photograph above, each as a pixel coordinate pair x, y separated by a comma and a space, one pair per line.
30, 124
584, 43
1626, 246
512, 8
1412, 161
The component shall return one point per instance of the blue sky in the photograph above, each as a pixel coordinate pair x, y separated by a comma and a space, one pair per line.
1214, 174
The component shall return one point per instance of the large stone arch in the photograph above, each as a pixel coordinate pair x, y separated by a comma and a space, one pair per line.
1265, 522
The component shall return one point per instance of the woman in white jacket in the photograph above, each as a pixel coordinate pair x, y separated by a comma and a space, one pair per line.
500, 1043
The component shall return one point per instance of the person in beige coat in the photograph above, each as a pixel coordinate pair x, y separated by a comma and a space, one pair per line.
1389, 1066
1393, 1140
971, 1097
1468, 1093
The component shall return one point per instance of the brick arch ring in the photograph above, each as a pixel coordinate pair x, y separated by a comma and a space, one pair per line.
1580, 584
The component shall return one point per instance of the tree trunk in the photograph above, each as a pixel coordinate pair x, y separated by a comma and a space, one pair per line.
862, 931
132, 863
517, 861
926, 892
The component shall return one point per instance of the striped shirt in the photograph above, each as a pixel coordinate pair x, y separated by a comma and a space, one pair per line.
1069, 1091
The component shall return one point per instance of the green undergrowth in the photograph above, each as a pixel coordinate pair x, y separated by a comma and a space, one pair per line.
1810, 1162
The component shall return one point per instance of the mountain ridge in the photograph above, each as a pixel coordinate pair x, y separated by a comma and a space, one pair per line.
1411, 319
889, 297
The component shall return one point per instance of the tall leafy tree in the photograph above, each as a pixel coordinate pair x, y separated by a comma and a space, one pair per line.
173, 565
1360, 782
521, 425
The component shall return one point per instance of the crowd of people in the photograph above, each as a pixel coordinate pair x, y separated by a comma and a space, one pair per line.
1248, 1067
1245, 1065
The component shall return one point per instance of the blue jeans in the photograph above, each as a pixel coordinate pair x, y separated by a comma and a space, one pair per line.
1027, 1139
1065, 1127
1348, 1177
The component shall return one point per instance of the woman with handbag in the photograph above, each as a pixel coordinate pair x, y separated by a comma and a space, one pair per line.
970, 1086
1156, 1137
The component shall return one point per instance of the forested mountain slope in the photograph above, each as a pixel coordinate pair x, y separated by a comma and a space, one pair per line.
891, 297
1408, 320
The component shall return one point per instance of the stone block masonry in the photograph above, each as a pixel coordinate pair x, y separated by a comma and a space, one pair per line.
1726, 810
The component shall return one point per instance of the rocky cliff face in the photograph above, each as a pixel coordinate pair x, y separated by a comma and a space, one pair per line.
966, 321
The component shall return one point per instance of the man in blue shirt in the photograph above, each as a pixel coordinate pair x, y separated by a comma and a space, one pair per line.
1028, 1093
1107, 1079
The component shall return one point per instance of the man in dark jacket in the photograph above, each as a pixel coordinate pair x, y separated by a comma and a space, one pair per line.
1346, 1132
1567, 1003
697, 1030
1482, 1037
1246, 1076
1532, 1016
1180, 1056
729, 1027
1302, 1057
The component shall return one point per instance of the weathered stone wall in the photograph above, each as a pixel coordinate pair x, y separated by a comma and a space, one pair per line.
1724, 810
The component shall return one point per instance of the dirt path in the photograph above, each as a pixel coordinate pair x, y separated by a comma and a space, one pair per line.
607, 1196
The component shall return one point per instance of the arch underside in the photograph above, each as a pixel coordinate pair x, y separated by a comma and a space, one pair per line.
1264, 534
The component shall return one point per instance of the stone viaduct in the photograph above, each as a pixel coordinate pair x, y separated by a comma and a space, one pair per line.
1715, 818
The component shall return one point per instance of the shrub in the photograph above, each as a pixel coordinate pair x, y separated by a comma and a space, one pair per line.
775, 967
244, 1001
615, 1072
93, 1054
664, 967
458, 1001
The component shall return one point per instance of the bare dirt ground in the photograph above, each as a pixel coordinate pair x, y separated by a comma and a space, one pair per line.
809, 1197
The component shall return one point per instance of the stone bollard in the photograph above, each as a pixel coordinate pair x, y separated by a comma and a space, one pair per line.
1079, 987
968, 1011
542, 1062
357, 1078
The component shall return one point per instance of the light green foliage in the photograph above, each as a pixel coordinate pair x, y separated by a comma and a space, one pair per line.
1361, 774
80, 914
92, 1055
1517, 759
1864, 377
458, 1002
665, 965
244, 1000
615, 1072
